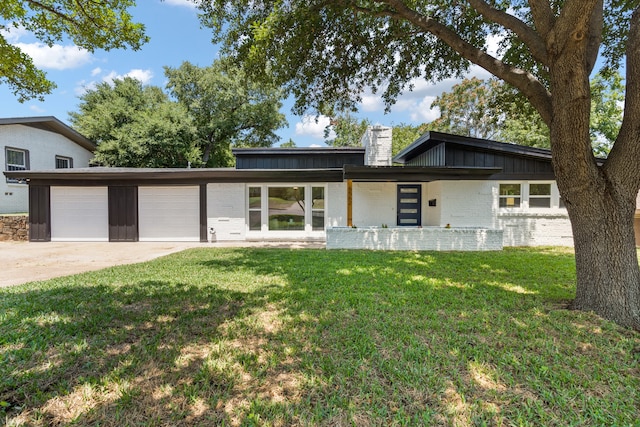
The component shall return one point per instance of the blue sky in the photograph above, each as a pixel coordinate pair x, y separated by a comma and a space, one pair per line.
176, 36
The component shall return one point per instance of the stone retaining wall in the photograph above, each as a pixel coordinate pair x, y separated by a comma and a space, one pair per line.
14, 227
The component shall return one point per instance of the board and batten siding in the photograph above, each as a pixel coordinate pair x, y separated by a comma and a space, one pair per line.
170, 213
79, 214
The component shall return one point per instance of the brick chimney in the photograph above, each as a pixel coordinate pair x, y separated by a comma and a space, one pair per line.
377, 144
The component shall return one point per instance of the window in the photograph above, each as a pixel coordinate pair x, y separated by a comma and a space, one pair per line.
286, 208
63, 162
16, 160
510, 195
539, 195
255, 208
317, 208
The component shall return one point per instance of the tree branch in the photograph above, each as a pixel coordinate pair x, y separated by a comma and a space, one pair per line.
543, 17
537, 94
528, 36
623, 158
38, 5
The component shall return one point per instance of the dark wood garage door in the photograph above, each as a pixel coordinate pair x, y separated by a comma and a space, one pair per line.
123, 214
636, 226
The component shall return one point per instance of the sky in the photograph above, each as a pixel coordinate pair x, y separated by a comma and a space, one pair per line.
176, 36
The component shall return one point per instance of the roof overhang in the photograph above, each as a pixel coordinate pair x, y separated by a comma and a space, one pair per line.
141, 176
51, 124
416, 173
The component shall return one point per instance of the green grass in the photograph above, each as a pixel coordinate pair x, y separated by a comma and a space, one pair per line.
313, 337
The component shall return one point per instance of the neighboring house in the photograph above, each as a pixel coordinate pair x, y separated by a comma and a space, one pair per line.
36, 143
452, 192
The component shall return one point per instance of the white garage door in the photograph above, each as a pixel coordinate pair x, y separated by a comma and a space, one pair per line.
169, 214
79, 214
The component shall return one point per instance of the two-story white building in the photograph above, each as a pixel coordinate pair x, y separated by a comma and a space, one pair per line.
36, 143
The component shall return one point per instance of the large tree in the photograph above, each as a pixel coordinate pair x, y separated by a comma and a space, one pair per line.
326, 52
136, 126
228, 108
345, 130
87, 23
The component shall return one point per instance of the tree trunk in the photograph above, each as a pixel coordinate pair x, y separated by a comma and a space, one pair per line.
601, 206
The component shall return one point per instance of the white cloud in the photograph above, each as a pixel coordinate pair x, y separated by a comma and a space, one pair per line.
37, 109
185, 3
312, 126
56, 57
371, 102
13, 34
83, 86
317, 145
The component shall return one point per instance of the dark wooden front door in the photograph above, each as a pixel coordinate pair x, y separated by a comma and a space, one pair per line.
123, 214
409, 205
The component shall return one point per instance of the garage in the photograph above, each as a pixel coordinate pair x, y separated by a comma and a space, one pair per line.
79, 214
170, 213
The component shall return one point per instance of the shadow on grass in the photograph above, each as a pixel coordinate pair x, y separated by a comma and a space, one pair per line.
264, 336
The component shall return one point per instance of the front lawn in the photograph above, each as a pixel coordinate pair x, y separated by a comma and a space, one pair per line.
316, 337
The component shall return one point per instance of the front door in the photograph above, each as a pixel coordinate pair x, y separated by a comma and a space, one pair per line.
409, 205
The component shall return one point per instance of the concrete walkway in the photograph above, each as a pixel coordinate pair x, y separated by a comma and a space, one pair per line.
25, 262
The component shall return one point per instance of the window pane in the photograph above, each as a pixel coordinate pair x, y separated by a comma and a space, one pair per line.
317, 220
286, 208
254, 198
540, 202
540, 189
62, 163
255, 220
509, 202
509, 189
318, 197
15, 157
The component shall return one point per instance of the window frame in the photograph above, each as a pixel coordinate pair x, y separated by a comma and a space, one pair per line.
15, 166
264, 209
68, 159
525, 197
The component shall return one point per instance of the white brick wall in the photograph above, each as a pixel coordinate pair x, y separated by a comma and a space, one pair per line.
410, 238
336, 204
226, 211
535, 229
466, 204
374, 203
43, 147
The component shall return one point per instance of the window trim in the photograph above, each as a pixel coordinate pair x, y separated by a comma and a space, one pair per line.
26, 166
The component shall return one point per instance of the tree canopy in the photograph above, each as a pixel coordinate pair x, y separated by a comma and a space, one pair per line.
136, 126
327, 52
345, 130
228, 108
214, 109
88, 24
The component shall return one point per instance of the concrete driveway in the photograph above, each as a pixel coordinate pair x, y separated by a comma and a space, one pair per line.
25, 262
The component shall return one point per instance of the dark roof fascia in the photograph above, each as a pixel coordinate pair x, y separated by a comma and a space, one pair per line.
416, 173
51, 124
297, 150
431, 139
123, 176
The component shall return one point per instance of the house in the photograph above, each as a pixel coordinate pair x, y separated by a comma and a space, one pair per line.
450, 191
36, 143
